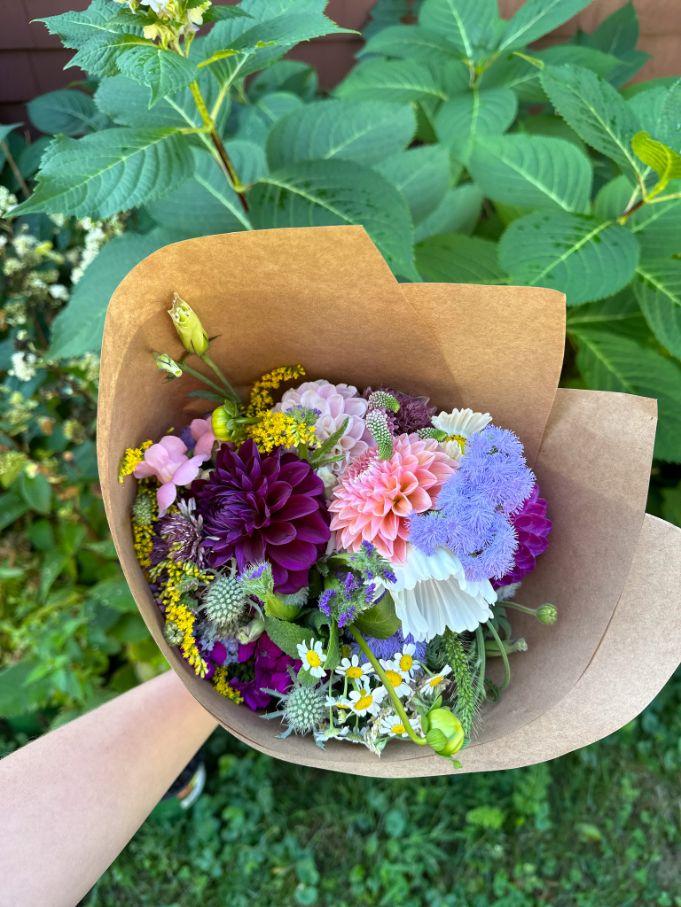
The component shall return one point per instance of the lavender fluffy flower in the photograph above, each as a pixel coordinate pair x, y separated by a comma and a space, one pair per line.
494, 466
494, 557
387, 648
429, 531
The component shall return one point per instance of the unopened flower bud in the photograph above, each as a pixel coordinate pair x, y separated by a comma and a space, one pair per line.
547, 614
443, 730
251, 631
167, 364
224, 422
188, 326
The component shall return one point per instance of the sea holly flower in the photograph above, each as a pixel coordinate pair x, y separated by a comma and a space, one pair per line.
365, 700
168, 462
353, 669
313, 657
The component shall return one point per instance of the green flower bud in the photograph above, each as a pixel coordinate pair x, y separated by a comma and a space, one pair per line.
167, 364
225, 422
547, 614
277, 607
189, 328
251, 631
443, 730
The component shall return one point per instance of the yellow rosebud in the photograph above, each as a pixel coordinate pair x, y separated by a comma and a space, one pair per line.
443, 731
188, 326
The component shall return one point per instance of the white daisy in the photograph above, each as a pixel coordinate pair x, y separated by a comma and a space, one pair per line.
353, 670
405, 660
432, 593
312, 657
366, 701
459, 425
391, 725
431, 686
395, 677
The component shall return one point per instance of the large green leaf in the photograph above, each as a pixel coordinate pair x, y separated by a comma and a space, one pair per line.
287, 75
366, 131
596, 112
457, 212
421, 175
658, 227
256, 120
472, 27
163, 71
409, 42
662, 160
584, 258
619, 313
613, 362
454, 258
76, 28
109, 171
530, 88
536, 18
101, 55
322, 193
461, 120
67, 111
618, 35
651, 111
126, 102
533, 172
77, 329
391, 80
658, 289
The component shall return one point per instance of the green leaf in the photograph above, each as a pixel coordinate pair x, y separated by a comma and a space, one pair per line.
36, 492
391, 80
536, 18
322, 193
53, 562
619, 313
595, 111
536, 172
109, 171
287, 75
658, 227
549, 125
76, 28
658, 289
6, 128
333, 649
584, 258
471, 27
609, 361
652, 113
461, 120
530, 89
366, 131
454, 258
618, 35
70, 112
164, 72
379, 621
457, 212
77, 329
12, 508
421, 175
409, 42
662, 159
613, 198
256, 120
286, 635
101, 55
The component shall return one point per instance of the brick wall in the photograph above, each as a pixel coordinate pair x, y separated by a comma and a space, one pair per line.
31, 62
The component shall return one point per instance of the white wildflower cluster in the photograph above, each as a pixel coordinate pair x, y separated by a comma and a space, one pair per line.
23, 365
96, 234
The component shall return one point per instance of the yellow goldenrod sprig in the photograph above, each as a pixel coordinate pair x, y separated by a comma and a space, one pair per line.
224, 687
275, 429
261, 396
132, 457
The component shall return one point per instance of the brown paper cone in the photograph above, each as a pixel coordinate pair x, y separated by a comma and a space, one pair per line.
325, 297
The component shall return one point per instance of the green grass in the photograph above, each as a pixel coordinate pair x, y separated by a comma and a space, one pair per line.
599, 827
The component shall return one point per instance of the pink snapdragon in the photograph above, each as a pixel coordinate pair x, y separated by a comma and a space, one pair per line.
168, 462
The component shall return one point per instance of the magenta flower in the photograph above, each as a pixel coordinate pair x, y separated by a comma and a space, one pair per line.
270, 671
532, 527
168, 462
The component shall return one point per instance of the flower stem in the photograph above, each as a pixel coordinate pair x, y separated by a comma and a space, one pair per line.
221, 375
397, 705
482, 655
504, 656
204, 378
518, 607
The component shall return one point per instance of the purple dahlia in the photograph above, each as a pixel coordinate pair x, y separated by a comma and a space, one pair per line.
258, 507
532, 528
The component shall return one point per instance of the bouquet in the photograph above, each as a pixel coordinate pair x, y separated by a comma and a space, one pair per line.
344, 560
332, 552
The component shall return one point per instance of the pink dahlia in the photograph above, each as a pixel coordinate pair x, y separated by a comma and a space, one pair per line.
375, 498
532, 527
334, 403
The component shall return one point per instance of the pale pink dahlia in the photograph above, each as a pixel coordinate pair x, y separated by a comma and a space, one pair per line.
334, 403
375, 498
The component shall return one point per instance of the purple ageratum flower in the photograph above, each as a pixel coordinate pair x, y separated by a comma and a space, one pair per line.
414, 412
494, 556
258, 507
270, 671
494, 467
387, 648
429, 531
532, 527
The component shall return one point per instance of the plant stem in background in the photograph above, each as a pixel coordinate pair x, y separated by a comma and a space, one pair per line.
4, 147
504, 656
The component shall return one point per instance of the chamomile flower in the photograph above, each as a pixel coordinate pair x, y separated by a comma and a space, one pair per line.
353, 670
365, 700
391, 725
313, 657
396, 678
405, 661
432, 684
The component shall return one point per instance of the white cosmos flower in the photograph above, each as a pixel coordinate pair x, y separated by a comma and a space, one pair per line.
459, 425
366, 701
432, 593
395, 677
313, 657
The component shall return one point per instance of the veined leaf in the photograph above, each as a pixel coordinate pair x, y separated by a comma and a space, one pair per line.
287, 75
658, 227
100, 56
287, 635
367, 131
421, 175
391, 80
322, 193
536, 18
662, 159
68, 111
163, 71
535, 172
454, 258
457, 212
256, 120
658, 289
109, 171
409, 42
585, 259
460, 121
620, 314
612, 362
471, 27
596, 112
531, 90
76, 28
618, 35
650, 110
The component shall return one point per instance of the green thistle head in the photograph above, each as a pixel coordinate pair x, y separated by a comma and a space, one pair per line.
377, 423
304, 708
224, 601
144, 508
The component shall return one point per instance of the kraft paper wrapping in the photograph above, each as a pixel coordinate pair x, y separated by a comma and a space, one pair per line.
325, 297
